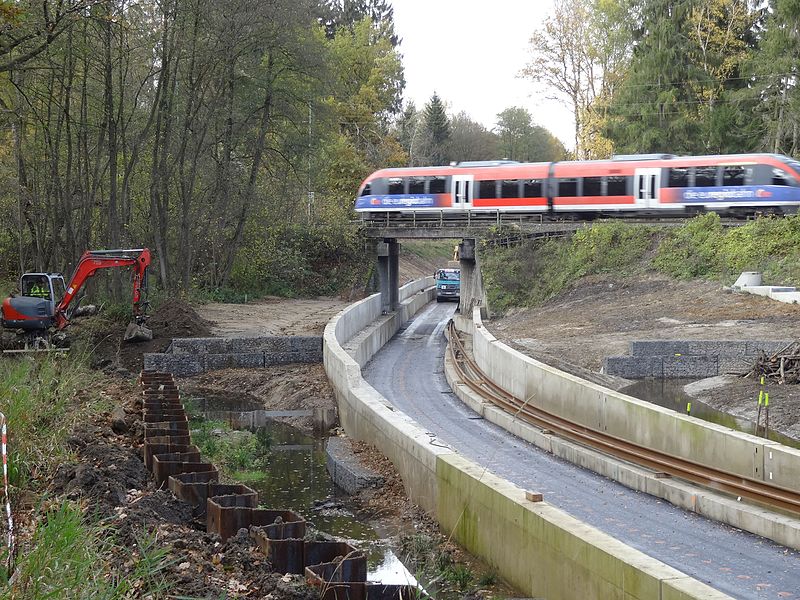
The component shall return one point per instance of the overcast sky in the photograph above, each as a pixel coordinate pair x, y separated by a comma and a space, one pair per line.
470, 52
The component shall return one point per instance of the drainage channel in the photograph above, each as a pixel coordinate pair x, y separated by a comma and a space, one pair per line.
669, 393
337, 568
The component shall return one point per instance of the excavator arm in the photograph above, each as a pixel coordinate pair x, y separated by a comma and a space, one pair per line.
93, 260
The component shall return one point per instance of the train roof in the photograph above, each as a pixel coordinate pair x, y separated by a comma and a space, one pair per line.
515, 169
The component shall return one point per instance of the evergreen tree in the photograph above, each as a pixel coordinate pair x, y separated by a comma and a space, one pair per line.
679, 93
346, 13
775, 69
651, 110
437, 131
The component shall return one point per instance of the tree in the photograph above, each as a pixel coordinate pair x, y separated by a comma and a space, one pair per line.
774, 71
337, 14
28, 28
574, 56
436, 127
678, 94
521, 140
470, 140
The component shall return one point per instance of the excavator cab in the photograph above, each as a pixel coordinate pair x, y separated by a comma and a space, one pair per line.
35, 308
43, 285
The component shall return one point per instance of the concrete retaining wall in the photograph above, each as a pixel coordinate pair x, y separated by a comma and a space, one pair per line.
192, 356
536, 547
689, 358
628, 418
545, 552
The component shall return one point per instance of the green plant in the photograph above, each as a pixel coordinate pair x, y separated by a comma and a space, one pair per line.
489, 578
460, 576
231, 450
151, 563
44, 398
530, 273
702, 247
63, 560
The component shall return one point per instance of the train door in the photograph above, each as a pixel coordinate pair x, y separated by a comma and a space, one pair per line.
646, 185
462, 191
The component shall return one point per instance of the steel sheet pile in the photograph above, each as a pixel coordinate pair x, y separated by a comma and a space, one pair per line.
338, 569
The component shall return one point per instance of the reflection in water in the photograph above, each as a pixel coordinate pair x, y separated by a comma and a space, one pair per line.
669, 394
293, 476
391, 571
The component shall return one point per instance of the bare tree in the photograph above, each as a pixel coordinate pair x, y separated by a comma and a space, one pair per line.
575, 55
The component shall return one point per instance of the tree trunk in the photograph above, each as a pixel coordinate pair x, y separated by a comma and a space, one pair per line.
247, 196
111, 126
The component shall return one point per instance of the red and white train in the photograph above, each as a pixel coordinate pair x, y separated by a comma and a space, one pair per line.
637, 185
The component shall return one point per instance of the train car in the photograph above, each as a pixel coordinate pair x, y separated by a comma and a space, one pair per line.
630, 185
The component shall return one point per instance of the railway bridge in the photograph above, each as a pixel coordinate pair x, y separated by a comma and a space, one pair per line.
501, 229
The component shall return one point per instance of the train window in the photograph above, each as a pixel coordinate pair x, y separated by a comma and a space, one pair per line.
617, 186
416, 185
367, 190
567, 187
781, 177
509, 188
678, 177
437, 185
592, 186
396, 185
487, 188
532, 188
733, 175
705, 176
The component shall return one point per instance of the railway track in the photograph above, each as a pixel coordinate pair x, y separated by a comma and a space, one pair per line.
757, 491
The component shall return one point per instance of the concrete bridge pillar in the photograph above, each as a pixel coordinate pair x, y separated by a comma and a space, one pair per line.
472, 292
389, 273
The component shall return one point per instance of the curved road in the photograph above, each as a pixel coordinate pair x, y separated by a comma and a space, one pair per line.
408, 371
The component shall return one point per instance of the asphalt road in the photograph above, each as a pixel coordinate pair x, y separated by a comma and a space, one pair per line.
408, 371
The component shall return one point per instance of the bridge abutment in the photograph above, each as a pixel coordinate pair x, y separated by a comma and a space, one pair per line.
472, 291
389, 273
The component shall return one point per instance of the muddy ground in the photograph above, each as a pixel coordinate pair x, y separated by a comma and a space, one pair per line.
600, 316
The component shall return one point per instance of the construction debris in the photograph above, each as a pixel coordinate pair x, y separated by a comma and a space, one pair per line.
783, 366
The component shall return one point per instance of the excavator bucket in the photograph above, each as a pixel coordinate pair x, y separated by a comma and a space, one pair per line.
137, 333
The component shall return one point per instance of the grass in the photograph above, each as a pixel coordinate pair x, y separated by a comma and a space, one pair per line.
531, 273
232, 451
43, 398
67, 554
63, 560
74, 558
435, 568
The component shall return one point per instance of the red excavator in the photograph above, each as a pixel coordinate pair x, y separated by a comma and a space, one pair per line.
45, 302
